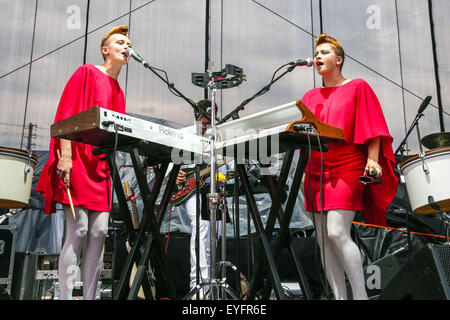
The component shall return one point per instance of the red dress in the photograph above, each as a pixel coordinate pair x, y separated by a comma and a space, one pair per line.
90, 179
354, 108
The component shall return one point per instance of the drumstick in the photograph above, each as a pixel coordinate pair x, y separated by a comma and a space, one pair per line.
68, 193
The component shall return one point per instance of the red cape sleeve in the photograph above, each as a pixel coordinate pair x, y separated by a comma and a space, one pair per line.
78, 95
370, 123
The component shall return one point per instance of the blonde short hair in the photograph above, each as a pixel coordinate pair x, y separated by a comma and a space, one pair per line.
335, 44
119, 29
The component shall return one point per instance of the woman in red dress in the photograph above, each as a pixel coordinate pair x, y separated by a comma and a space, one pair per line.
72, 164
333, 192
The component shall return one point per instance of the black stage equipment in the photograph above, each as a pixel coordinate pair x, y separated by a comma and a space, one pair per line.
426, 276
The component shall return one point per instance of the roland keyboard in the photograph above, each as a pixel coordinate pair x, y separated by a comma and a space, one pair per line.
266, 133
273, 131
98, 127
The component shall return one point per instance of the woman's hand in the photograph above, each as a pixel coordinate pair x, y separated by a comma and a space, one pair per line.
181, 177
64, 165
373, 150
373, 167
64, 169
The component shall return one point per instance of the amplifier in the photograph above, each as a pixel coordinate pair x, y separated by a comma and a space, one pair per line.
34, 272
29, 270
7, 255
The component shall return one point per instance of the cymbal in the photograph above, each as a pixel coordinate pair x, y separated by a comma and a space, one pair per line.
436, 140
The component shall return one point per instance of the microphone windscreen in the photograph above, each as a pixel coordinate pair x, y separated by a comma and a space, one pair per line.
424, 104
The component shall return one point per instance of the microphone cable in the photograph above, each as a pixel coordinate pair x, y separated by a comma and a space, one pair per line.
170, 85
113, 267
248, 100
324, 282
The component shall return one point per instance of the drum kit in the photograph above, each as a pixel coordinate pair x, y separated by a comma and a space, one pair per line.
426, 176
16, 179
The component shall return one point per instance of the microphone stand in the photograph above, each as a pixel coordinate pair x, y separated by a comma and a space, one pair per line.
213, 196
197, 114
401, 149
419, 115
234, 114
215, 201
198, 205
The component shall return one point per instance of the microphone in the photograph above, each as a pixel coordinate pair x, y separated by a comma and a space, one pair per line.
303, 62
131, 53
424, 104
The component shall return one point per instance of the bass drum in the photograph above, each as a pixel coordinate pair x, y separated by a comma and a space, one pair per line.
16, 177
420, 185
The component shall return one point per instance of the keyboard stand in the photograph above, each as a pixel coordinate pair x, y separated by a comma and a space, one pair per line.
148, 235
284, 218
268, 256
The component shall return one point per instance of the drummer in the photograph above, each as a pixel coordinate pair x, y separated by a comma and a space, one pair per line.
73, 165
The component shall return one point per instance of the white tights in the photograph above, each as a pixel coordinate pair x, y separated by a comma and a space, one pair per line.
341, 254
90, 225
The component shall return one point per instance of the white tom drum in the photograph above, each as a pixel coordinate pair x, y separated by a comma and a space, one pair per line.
436, 183
16, 177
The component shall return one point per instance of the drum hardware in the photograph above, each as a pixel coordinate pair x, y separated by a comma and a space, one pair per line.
425, 167
444, 218
421, 154
402, 177
12, 212
27, 168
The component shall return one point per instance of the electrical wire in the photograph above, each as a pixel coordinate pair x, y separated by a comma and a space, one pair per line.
170, 85
321, 193
324, 282
168, 231
116, 141
350, 57
76, 39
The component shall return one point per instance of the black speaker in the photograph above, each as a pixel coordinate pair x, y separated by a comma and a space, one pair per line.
386, 269
4, 295
8, 238
378, 275
426, 276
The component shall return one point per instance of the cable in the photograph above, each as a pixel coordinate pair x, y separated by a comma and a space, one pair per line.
401, 65
29, 77
168, 230
324, 282
170, 85
350, 57
76, 39
321, 196
235, 112
116, 139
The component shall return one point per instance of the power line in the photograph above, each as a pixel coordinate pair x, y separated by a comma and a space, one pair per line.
350, 57
29, 75
76, 39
